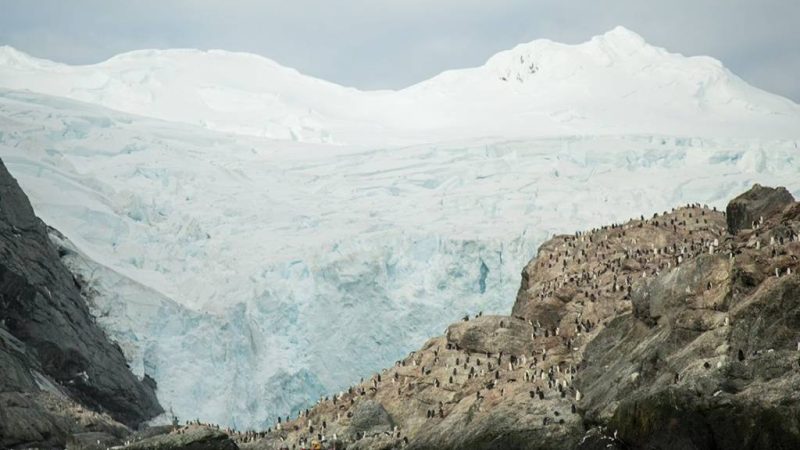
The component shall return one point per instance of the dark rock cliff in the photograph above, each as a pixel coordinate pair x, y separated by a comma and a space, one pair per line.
53, 355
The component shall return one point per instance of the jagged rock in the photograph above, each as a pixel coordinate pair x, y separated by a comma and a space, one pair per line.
51, 349
757, 203
713, 345
189, 438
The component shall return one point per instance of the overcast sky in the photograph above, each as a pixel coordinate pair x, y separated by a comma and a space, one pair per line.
395, 43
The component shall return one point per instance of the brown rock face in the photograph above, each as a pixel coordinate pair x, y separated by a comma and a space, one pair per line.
665, 333
748, 209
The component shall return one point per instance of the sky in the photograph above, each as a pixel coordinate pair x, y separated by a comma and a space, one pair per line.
376, 44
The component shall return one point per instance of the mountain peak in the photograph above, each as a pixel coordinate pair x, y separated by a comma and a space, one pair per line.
9, 54
619, 40
620, 34
561, 61
612, 83
11, 57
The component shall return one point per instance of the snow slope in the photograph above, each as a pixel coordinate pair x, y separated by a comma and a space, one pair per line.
249, 276
613, 84
250, 266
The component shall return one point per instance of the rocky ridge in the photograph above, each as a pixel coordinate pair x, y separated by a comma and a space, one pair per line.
662, 332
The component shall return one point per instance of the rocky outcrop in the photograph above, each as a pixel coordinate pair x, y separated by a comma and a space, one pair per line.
660, 333
715, 349
750, 208
60, 373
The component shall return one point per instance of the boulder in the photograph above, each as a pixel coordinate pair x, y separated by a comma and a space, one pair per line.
757, 203
370, 417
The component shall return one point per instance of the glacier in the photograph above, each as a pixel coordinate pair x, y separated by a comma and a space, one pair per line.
249, 277
255, 238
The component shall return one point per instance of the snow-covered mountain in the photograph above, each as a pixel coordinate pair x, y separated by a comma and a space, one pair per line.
614, 83
248, 273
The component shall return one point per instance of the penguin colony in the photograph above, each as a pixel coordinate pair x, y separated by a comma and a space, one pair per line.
575, 284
